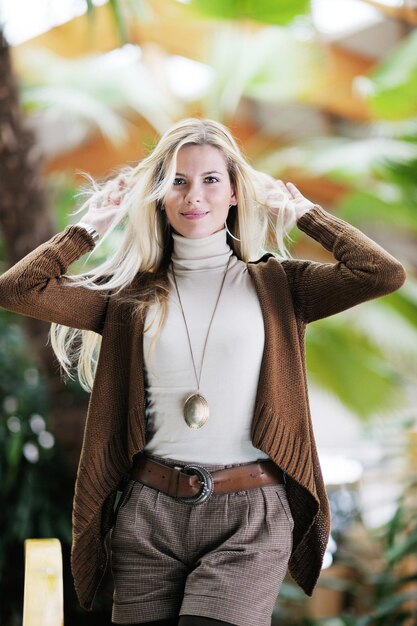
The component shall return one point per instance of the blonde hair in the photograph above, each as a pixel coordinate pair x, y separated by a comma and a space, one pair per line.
146, 242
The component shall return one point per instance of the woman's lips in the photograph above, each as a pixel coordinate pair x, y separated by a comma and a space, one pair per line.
194, 215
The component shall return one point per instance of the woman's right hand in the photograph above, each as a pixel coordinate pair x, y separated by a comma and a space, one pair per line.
101, 213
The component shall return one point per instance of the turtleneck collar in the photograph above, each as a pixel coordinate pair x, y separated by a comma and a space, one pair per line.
201, 254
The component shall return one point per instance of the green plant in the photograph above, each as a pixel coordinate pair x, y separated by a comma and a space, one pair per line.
32, 504
269, 65
381, 589
36, 486
385, 590
267, 11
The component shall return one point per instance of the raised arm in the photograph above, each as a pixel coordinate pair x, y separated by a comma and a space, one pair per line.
37, 285
364, 270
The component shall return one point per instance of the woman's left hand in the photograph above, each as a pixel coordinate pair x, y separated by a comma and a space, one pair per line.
299, 203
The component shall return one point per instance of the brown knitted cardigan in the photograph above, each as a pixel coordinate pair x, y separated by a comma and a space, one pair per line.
291, 293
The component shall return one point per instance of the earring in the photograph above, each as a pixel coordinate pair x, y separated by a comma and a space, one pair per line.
156, 230
229, 233
227, 228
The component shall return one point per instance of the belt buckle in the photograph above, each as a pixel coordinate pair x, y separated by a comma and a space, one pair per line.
207, 484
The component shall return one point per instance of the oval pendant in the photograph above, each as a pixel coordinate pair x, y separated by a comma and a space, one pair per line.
196, 411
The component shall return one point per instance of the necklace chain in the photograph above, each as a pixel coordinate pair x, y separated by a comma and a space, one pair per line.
198, 377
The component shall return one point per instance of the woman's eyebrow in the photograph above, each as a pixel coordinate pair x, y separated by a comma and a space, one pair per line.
202, 174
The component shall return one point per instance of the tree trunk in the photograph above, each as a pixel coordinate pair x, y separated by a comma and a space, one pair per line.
24, 217
26, 222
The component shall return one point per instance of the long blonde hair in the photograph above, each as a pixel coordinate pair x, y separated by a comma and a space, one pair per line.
146, 241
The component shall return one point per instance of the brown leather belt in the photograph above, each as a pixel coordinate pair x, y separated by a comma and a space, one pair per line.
194, 484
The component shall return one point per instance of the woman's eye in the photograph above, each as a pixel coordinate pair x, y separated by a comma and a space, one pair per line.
211, 179
179, 181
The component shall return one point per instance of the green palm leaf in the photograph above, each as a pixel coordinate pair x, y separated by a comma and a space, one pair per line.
379, 170
391, 89
101, 89
270, 65
399, 345
81, 106
268, 11
342, 159
381, 203
355, 369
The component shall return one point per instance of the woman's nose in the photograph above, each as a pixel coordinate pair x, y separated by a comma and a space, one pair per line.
193, 194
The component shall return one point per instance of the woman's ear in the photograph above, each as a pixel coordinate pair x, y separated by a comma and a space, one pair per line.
231, 216
233, 198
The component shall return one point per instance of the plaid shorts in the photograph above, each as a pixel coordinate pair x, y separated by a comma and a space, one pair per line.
225, 558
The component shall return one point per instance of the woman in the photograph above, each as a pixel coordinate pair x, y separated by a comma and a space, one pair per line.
192, 341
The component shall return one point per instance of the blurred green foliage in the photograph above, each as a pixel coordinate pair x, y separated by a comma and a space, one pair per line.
36, 486
268, 11
392, 87
34, 482
380, 588
384, 589
352, 356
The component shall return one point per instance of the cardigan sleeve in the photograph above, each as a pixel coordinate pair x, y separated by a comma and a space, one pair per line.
37, 286
364, 270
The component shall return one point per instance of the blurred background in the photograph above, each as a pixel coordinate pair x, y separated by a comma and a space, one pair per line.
322, 93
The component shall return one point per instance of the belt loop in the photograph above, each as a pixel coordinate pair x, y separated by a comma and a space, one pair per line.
173, 482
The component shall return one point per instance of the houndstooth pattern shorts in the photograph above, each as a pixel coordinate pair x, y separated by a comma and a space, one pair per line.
224, 559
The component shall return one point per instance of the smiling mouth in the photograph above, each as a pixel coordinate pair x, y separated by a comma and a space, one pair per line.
195, 214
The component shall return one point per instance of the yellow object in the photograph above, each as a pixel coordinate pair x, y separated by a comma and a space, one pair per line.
43, 603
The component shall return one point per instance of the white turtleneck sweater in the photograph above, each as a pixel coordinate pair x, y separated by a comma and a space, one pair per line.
231, 365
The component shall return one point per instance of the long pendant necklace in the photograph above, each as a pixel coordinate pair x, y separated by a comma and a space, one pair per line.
196, 409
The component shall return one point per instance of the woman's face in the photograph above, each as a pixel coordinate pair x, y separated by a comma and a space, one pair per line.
201, 194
